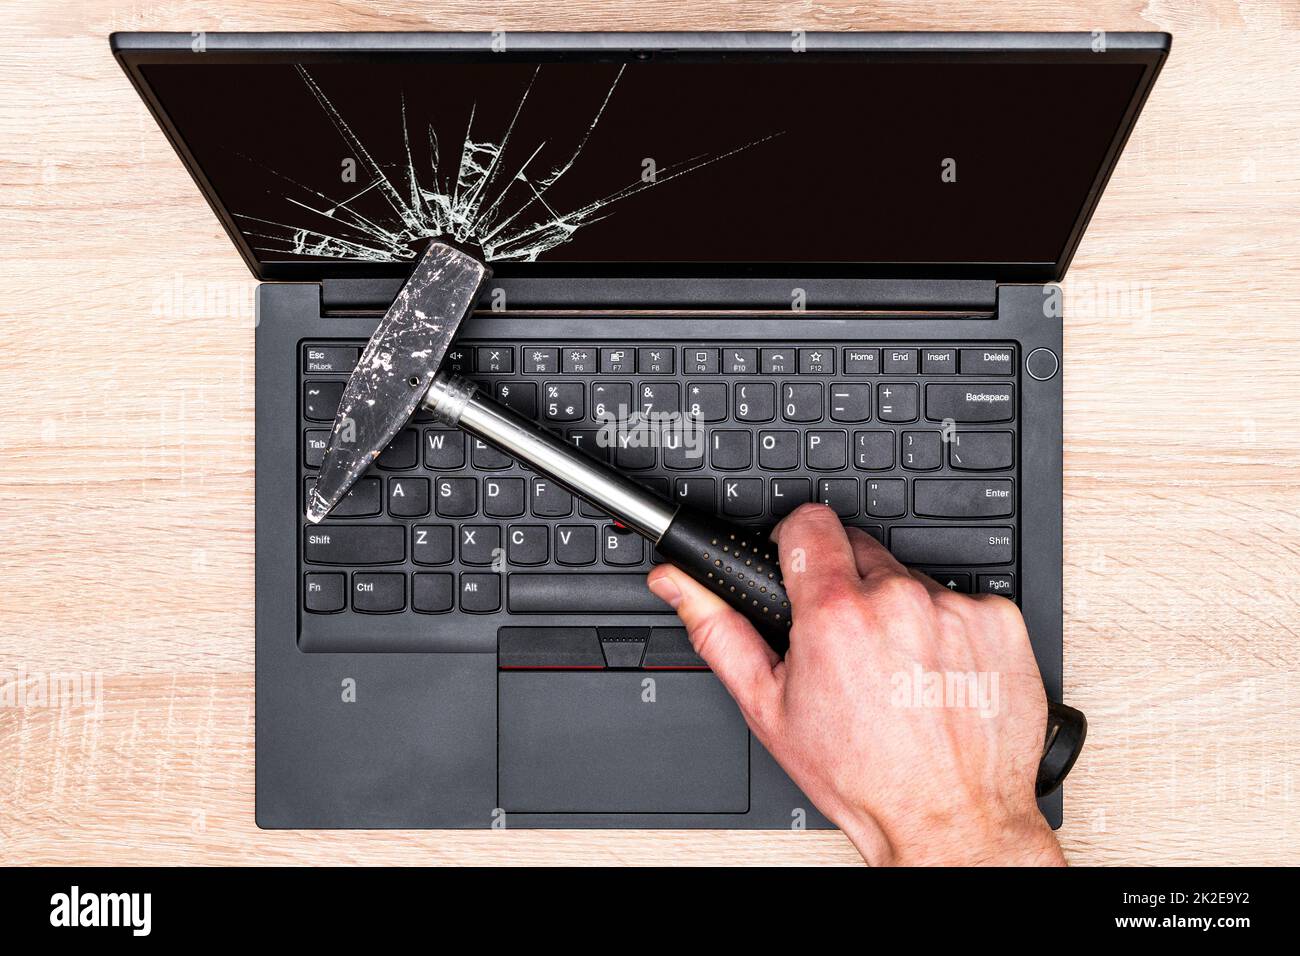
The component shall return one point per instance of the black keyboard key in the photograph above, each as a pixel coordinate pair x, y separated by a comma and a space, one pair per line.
611, 401
408, 497
899, 361
993, 361
320, 400
742, 497
575, 544
378, 592
479, 543
588, 593
550, 500
887, 497
873, 451
731, 450
698, 361
480, 593
826, 451
323, 592
840, 494
634, 450
898, 401
939, 361
503, 497
789, 493
706, 401
484, 457
549, 647
960, 545
621, 546
444, 450
460, 361
591, 441
779, 362
740, 361
699, 493
861, 361
683, 451
527, 544
970, 403
778, 451
541, 361
520, 396
617, 361
963, 497
433, 543
1004, 584
339, 360
982, 451
801, 402
817, 361
402, 453
455, 497
922, 451
669, 648
432, 593
495, 358
579, 361
313, 446
656, 360
954, 580
354, 544
755, 402
562, 402
850, 402
362, 500
658, 398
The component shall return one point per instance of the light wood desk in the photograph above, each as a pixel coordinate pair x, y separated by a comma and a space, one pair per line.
126, 452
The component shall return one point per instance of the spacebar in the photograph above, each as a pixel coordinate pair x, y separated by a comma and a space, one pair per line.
582, 594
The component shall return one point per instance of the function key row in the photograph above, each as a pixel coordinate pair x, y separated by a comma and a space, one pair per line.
697, 360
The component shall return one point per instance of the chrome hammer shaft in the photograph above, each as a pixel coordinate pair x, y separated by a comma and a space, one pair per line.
453, 400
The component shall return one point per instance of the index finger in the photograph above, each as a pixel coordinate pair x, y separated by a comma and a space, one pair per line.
815, 554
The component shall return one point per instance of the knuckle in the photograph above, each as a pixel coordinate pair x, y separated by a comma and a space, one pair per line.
902, 590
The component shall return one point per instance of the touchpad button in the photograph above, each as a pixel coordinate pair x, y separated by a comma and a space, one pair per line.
620, 742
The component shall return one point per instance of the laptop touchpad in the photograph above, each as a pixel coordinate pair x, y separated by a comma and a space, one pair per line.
620, 742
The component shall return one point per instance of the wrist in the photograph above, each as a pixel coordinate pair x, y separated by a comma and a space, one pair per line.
1022, 839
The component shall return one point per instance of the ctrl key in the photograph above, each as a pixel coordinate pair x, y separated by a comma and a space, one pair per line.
378, 593
323, 593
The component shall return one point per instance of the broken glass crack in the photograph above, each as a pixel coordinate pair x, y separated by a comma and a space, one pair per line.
480, 200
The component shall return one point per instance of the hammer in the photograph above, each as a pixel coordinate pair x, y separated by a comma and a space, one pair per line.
399, 371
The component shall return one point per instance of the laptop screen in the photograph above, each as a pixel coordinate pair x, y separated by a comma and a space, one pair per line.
658, 163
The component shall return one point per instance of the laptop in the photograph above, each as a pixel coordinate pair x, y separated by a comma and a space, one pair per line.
832, 253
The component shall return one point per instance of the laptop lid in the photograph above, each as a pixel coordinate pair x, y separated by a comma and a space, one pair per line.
936, 156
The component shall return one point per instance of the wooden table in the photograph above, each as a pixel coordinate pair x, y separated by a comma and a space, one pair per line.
126, 478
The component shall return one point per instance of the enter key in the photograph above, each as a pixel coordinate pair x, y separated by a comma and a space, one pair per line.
963, 497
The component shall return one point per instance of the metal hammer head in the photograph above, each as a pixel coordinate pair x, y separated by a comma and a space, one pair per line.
396, 367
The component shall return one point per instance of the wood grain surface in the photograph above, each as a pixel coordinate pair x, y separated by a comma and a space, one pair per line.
126, 451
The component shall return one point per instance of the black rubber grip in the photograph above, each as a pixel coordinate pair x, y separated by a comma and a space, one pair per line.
1067, 729
738, 564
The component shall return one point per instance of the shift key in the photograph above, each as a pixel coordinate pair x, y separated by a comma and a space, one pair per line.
943, 546
354, 544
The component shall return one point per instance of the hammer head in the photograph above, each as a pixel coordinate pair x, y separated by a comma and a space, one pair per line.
396, 368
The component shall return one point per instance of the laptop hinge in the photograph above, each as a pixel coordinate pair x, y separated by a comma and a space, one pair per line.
585, 293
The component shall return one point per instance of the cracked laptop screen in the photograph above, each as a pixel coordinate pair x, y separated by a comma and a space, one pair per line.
657, 162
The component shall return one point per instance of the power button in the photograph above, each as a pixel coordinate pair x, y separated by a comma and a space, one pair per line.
1042, 364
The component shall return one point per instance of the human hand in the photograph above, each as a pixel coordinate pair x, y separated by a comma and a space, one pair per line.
912, 716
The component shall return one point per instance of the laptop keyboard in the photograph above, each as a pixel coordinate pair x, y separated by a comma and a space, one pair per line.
915, 444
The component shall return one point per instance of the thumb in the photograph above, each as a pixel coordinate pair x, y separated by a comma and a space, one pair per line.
723, 637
